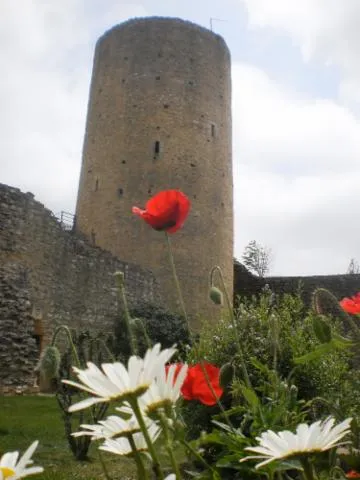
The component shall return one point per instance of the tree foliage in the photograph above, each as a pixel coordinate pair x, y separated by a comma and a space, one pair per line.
257, 258
354, 267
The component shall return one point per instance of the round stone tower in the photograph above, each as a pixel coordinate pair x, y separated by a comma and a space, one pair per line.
159, 117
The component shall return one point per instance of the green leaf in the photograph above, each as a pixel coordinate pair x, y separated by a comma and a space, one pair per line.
342, 342
250, 396
315, 354
337, 343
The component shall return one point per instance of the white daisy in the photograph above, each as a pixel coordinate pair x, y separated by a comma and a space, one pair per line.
172, 476
317, 437
121, 445
113, 426
115, 382
165, 390
12, 470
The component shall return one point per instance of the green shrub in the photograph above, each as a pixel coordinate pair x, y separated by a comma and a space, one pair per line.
155, 323
273, 332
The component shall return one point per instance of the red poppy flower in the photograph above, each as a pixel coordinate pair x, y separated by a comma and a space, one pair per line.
351, 305
353, 474
195, 386
167, 210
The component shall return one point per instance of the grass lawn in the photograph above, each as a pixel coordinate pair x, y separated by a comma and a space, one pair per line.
24, 419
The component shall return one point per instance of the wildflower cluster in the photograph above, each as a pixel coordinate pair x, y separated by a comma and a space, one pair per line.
146, 391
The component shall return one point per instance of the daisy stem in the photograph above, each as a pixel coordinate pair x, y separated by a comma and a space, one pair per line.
233, 322
137, 412
103, 466
177, 283
308, 473
170, 450
119, 276
142, 473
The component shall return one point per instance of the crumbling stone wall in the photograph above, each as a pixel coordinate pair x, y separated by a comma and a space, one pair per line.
48, 277
18, 348
247, 284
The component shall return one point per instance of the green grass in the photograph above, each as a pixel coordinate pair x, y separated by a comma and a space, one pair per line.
24, 419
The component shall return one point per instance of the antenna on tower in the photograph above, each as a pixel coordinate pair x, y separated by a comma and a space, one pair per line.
216, 19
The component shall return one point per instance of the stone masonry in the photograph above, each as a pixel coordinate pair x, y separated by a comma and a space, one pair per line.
159, 117
48, 277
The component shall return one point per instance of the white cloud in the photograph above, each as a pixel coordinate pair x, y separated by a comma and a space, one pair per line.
295, 158
46, 52
296, 175
325, 30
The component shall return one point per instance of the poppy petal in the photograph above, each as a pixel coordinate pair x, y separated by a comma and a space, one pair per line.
167, 210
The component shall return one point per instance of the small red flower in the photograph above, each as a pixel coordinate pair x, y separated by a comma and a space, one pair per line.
351, 305
195, 386
167, 210
353, 474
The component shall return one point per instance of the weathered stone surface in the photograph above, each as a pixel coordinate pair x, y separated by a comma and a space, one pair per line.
247, 284
48, 277
159, 117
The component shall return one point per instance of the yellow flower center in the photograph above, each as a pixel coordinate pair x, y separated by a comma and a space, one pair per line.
7, 472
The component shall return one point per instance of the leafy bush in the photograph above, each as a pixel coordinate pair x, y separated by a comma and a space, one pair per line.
273, 332
155, 323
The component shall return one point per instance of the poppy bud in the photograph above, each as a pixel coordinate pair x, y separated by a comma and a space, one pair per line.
293, 396
293, 392
49, 363
322, 329
226, 375
325, 303
216, 295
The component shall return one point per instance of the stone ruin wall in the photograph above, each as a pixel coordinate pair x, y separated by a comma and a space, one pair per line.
246, 284
48, 277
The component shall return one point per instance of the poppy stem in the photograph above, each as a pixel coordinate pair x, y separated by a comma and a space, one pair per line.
177, 283
119, 277
233, 322
66, 329
208, 382
219, 404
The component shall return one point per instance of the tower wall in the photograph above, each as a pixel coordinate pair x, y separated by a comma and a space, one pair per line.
159, 117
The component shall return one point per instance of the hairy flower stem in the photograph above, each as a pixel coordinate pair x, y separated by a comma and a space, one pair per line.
66, 329
107, 350
119, 276
308, 471
142, 472
148, 341
169, 446
233, 322
137, 412
177, 283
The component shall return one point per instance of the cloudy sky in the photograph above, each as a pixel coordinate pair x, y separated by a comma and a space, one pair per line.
296, 113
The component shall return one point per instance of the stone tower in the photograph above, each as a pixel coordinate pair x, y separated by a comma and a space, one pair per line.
159, 117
